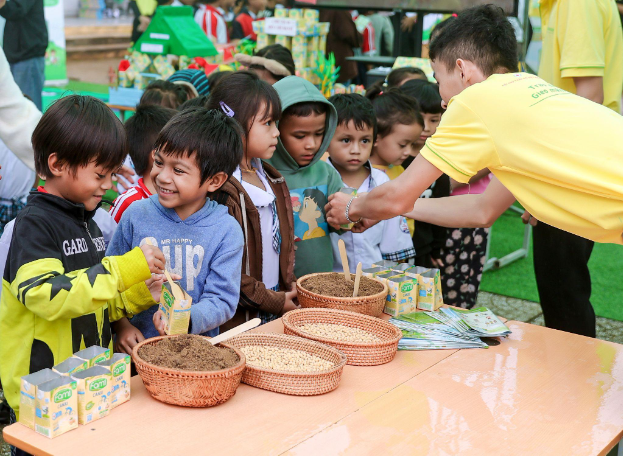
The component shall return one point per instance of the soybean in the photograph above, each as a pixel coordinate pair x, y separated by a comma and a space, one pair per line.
284, 359
339, 332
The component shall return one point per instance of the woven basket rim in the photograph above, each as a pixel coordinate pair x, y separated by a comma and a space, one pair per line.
242, 361
342, 299
337, 366
355, 315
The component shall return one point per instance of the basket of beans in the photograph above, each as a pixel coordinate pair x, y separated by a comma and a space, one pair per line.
367, 341
188, 370
289, 364
331, 290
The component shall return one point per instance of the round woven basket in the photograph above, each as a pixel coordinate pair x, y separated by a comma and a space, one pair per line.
189, 388
368, 305
294, 383
358, 353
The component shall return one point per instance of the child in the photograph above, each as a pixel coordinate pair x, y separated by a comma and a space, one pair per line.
428, 239
164, 93
396, 78
307, 125
242, 25
257, 196
195, 82
59, 291
210, 17
271, 63
193, 156
141, 130
349, 151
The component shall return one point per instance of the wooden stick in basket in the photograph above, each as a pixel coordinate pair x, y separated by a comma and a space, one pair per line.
177, 293
344, 259
358, 275
235, 331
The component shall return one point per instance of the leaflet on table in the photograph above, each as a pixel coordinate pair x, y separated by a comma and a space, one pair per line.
483, 320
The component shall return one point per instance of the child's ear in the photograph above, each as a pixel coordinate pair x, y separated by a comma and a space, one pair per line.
56, 168
215, 182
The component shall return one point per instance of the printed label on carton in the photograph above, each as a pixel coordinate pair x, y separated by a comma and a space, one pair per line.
94, 386
176, 312
28, 394
402, 292
119, 366
56, 407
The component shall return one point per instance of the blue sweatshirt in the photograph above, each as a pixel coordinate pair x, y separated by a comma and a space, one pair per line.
206, 249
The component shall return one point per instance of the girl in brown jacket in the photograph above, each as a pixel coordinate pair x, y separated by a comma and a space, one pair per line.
257, 196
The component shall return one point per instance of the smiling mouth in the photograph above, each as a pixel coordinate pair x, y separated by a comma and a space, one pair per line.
164, 191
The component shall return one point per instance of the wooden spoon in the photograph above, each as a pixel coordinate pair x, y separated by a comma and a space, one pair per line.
345, 260
358, 275
235, 331
175, 289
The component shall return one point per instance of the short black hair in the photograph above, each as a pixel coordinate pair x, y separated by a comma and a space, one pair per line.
164, 93
142, 130
356, 108
200, 101
280, 54
426, 93
394, 107
213, 137
80, 130
215, 77
435, 31
306, 108
482, 35
244, 93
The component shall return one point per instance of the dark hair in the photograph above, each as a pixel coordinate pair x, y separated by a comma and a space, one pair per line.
244, 93
164, 93
437, 29
215, 77
394, 79
356, 108
200, 101
394, 107
318, 196
281, 55
305, 109
142, 130
213, 137
80, 130
426, 93
482, 35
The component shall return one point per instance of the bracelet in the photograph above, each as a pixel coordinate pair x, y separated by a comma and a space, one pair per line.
347, 211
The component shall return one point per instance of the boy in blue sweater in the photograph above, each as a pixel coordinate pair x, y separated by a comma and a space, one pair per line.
194, 155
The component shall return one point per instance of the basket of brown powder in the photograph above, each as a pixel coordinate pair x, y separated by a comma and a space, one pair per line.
289, 364
188, 370
330, 290
367, 341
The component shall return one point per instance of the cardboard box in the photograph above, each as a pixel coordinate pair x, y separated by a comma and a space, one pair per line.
313, 44
285, 41
429, 287
28, 394
311, 15
403, 295
295, 13
176, 312
281, 12
264, 40
71, 365
93, 355
56, 407
119, 367
94, 387
323, 44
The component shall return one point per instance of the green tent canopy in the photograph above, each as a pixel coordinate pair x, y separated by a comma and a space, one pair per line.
173, 30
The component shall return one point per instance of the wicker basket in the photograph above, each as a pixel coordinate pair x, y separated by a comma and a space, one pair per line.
358, 353
294, 383
368, 305
189, 388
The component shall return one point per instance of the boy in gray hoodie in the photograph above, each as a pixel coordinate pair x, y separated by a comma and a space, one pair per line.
306, 128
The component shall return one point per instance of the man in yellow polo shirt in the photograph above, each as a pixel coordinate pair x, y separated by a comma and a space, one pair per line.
559, 154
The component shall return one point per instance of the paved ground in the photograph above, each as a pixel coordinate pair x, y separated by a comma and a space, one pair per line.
510, 308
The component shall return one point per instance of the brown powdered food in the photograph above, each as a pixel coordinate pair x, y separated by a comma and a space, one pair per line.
336, 286
188, 352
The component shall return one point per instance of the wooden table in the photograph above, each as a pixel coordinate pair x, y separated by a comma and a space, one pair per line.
539, 392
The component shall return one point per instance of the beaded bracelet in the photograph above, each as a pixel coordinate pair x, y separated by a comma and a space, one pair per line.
347, 211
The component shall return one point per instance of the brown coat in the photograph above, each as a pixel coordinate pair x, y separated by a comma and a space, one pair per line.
343, 37
254, 295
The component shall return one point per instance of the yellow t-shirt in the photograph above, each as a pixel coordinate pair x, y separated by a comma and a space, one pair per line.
582, 38
394, 171
559, 154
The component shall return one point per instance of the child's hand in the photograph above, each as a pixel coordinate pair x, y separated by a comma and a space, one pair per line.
291, 300
159, 323
127, 336
155, 284
528, 218
154, 257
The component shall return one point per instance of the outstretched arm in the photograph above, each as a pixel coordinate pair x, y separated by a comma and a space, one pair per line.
466, 211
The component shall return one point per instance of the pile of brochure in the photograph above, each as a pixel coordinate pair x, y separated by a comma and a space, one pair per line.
448, 328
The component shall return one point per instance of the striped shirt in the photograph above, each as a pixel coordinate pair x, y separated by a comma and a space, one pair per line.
131, 195
212, 22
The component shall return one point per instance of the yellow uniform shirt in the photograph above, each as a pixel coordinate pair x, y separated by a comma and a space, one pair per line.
582, 38
394, 171
559, 154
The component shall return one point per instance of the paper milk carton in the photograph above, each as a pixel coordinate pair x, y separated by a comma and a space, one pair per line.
176, 310
71, 365
402, 292
429, 287
57, 403
402, 267
94, 386
119, 366
384, 264
374, 272
93, 355
311, 15
28, 394
281, 12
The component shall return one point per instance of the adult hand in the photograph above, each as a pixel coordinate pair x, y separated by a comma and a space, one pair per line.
127, 336
364, 225
407, 23
335, 209
125, 173
528, 218
291, 300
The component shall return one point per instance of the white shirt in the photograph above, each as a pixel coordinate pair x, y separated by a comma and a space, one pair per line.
385, 238
106, 223
263, 201
17, 178
5, 243
18, 116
